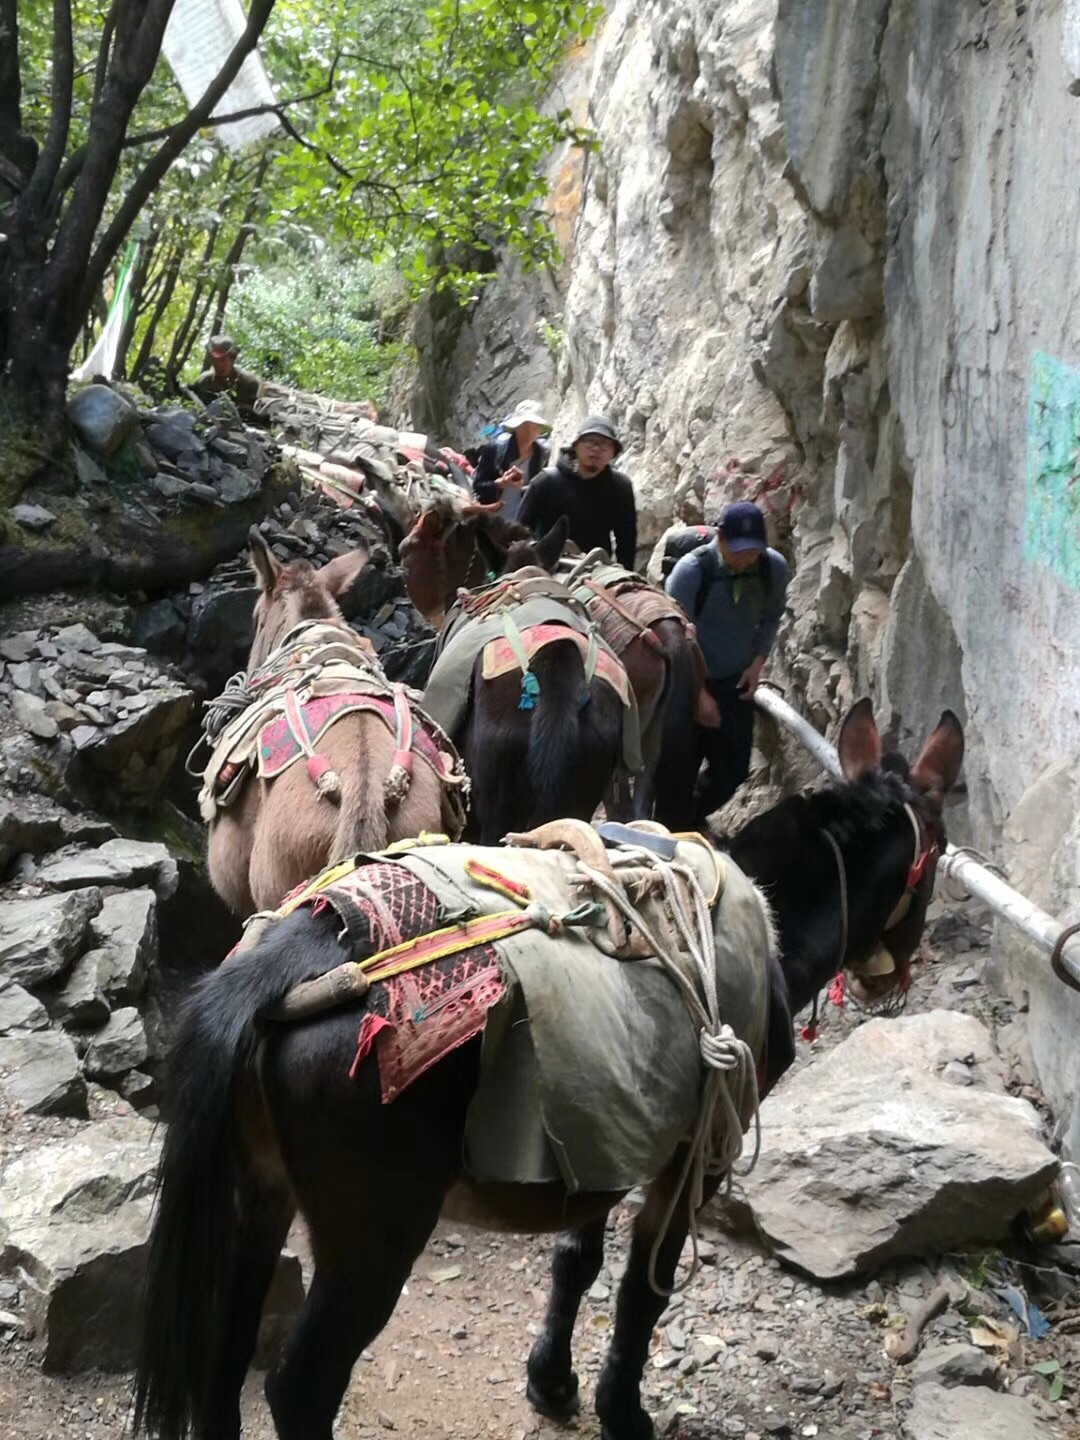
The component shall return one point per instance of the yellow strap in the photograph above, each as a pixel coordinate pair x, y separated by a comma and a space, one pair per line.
457, 938
336, 872
416, 842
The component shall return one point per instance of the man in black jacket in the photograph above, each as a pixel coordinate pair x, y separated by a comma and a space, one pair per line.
597, 500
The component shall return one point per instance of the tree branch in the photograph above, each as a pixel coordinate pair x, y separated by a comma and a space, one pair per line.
63, 68
157, 166
335, 164
148, 137
102, 66
10, 92
73, 163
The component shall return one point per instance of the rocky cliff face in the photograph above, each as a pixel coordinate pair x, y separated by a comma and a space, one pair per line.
828, 257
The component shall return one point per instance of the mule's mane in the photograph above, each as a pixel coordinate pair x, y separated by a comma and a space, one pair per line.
853, 809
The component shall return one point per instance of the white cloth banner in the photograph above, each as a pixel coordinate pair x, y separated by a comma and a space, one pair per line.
199, 36
102, 358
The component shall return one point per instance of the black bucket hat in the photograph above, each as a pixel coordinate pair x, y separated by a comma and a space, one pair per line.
597, 425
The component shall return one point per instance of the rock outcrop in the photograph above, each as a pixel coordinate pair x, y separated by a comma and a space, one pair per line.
809, 263
900, 1142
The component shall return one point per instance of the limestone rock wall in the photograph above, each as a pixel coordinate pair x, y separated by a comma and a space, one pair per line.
827, 256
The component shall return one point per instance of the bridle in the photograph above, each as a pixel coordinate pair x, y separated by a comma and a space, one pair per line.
881, 962
487, 570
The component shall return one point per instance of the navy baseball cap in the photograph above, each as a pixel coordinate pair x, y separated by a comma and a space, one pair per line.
743, 527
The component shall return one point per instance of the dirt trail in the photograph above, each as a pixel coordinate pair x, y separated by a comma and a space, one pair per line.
747, 1351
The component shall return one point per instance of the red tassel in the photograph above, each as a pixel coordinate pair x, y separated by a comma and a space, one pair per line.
317, 765
809, 1033
836, 991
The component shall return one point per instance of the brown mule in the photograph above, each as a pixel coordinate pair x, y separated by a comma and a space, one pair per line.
279, 832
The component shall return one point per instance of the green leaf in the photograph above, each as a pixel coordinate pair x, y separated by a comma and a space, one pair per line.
1047, 1367
1057, 1389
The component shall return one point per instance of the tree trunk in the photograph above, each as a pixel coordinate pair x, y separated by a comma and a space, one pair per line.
236, 250
56, 253
171, 273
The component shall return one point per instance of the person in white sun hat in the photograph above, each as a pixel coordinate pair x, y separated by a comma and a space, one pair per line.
505, 467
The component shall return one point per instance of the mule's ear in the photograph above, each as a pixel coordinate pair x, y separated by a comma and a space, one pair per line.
264, 562
938, 765
859, 744
551, 545
338, 574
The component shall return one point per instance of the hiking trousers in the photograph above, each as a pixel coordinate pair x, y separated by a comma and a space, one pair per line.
726, 750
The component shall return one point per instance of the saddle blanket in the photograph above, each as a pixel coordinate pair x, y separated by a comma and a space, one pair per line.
500, 659
464, 637
278, 747
591, 1071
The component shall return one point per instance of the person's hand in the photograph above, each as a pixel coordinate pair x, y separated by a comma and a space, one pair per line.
708, 711
513, 477
750, 678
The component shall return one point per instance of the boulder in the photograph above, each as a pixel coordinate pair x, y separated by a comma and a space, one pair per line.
127, 933
33, 517
119, 1046
39, 938
160, 628
172, 433
19, 1010
30, 824
102, 418
79, 1003
40, 1074
872, 1155
133, 756
117, 862
74, 1220
237, 486
29, 711
222, 627
77, 637
956, 1365
966, 1413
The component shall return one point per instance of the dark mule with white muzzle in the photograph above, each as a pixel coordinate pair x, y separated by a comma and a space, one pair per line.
270, 1116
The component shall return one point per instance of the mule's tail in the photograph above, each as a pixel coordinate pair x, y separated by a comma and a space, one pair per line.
575, 737
362, 822
198, 1226
555, 734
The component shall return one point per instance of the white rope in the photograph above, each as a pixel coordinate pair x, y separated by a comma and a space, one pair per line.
731, 1073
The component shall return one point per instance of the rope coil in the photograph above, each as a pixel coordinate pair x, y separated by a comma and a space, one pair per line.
731, 1073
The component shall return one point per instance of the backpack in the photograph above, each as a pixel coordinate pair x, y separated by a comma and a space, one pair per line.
681, 542
693, 537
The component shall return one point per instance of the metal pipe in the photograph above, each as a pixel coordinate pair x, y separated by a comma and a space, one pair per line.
955, 865
775, 705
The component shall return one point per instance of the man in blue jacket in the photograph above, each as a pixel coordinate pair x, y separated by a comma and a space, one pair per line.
734, 590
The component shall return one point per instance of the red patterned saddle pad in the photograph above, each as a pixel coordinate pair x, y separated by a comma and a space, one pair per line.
500, 659
279, 748
413, 1020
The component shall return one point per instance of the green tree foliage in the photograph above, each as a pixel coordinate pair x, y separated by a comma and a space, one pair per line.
315, 321
408, 130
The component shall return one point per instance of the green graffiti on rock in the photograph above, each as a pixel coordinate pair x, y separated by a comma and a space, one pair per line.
1052, 510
